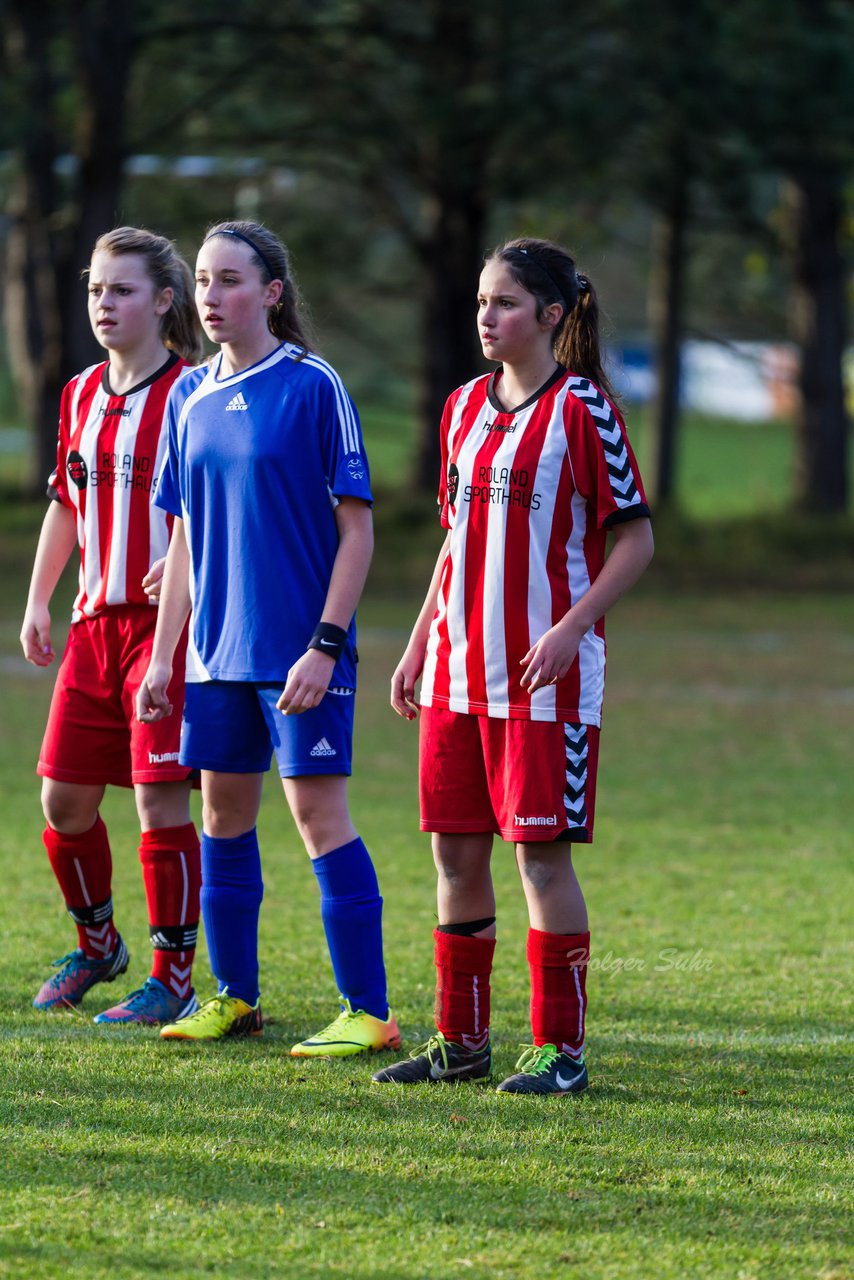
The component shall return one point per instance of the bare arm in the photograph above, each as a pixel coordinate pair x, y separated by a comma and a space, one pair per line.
308, 679
151, 700
553, 654
411, 664
57, 540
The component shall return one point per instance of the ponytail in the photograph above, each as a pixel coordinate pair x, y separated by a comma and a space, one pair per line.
548, 272
180, 329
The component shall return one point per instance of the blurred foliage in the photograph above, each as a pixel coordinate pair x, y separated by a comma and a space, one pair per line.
392, 144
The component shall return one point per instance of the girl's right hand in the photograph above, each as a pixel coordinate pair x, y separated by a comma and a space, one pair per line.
152, 583
152, 703
35, 636
403, 681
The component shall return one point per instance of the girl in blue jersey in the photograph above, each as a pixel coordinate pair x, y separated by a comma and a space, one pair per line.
267, 478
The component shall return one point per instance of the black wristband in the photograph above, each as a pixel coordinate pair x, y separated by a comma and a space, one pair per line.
329, 639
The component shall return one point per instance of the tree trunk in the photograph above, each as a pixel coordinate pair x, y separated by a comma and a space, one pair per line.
666, 322
451, 247
53, 225
451, 259
104, 51
819, 321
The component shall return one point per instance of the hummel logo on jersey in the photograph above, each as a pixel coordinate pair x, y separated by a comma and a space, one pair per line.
237, 402
162, 757
322, 748
550, 821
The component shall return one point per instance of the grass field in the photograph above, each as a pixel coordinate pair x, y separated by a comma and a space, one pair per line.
715, 1140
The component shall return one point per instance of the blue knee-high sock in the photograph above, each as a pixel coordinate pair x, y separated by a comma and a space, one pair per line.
232, 890
351, 909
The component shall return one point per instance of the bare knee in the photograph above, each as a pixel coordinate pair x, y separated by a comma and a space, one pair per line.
70, 809
462, 862
224, 821
163, 804
230, 803
319, 809
543, 868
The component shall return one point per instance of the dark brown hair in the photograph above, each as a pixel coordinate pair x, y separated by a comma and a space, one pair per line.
179, 327
548, 272
287, 320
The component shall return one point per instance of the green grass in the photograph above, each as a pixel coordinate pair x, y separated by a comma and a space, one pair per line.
715, 1140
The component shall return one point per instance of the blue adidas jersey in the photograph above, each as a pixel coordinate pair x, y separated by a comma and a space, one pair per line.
254, 467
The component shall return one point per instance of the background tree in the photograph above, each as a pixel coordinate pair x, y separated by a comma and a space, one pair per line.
68, 121
791, 64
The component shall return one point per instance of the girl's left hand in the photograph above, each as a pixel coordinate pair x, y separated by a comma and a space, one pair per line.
550, 658
308, 680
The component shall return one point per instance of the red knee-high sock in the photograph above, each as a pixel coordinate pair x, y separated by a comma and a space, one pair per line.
83, 867
171, 869
558, 964
463, 968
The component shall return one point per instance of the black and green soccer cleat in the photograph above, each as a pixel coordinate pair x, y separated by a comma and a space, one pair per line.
543, 1071
436, 1061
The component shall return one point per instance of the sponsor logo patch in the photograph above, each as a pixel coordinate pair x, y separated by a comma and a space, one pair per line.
78, 472
453, 483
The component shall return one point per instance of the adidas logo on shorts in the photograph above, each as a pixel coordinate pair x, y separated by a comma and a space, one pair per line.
237, 402
322, 748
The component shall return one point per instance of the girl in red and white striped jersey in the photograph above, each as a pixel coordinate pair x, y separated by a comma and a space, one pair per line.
111, 442
537, 472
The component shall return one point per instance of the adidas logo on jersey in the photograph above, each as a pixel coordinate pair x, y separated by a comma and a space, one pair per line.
322, 748
237, 402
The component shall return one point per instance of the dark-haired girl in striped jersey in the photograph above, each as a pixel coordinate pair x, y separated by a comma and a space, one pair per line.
509, 646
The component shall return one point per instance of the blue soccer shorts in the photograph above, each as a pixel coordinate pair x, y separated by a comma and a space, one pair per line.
235, 726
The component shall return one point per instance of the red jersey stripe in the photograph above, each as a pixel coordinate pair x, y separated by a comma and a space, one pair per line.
108, 452
528, 497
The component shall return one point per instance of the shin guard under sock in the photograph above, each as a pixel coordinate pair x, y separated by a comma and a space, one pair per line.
351, 909
83, 867
463, 969
232, 890
558, 964
171, 871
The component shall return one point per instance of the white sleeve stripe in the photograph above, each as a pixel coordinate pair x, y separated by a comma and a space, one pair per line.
346, 416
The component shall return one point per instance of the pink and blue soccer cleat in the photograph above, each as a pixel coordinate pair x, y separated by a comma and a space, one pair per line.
152, 1004
77, 972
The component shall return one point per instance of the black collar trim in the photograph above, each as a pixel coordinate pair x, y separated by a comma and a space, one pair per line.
541, 391
158, 373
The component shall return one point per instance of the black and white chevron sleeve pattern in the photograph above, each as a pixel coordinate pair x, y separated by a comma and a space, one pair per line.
622, 479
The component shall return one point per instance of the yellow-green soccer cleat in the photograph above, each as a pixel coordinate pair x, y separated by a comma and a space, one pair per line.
223, 1015
353, 1031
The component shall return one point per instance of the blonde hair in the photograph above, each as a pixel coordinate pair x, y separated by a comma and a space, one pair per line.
166, 269
287, 320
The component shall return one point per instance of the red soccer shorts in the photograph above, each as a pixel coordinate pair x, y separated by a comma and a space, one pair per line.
526, 780
93, 736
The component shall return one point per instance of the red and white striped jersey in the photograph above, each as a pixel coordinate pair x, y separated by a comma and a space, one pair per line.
108, 459
529, 497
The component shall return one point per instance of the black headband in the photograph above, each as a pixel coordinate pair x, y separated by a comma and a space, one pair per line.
544, 270
238, 235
